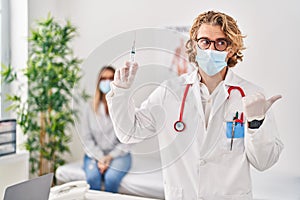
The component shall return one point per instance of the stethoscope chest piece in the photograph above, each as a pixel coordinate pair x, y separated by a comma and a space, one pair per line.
179, 126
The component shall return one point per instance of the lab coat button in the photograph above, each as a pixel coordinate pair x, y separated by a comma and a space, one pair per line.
201, 198
202, 162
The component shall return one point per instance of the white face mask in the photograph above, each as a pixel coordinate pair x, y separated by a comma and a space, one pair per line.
104, 86
211, 61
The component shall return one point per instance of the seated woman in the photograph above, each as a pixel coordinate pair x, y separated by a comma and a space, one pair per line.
106, 159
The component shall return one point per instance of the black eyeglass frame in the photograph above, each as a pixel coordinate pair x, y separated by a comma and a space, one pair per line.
214, 41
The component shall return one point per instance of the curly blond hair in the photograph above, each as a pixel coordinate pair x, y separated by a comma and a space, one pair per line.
228, 26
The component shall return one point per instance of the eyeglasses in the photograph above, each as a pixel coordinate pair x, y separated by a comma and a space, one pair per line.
220, 44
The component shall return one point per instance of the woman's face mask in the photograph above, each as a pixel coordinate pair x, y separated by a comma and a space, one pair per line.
104, 86
211, 61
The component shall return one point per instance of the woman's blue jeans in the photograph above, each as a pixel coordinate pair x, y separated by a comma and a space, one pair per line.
112, 177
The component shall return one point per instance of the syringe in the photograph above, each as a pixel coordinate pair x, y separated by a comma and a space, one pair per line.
132, 55
132, 52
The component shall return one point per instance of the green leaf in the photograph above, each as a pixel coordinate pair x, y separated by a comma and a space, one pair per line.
7, 73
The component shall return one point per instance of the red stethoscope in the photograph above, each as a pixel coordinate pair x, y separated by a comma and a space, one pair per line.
179, 125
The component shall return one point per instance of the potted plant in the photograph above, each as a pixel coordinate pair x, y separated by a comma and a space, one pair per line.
46, 113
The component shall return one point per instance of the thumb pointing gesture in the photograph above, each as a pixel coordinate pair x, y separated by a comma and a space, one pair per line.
272, 100
256, 106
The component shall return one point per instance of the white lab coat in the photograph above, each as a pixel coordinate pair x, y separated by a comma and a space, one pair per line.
197, 163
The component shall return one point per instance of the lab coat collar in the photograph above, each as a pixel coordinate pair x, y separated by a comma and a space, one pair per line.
192, 77
231, 79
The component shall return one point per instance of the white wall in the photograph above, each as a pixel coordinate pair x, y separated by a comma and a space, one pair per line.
19, 46
270, 59
15, 168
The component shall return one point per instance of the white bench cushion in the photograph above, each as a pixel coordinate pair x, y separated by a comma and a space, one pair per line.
143, 179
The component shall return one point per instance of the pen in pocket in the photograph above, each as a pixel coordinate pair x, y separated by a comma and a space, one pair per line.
234, 123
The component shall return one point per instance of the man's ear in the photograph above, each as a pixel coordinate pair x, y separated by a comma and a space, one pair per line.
231, 52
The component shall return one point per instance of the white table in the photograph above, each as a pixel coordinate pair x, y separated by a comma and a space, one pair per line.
98, 195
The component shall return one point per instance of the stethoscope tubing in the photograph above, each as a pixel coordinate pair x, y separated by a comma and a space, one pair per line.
183, 101
179, 125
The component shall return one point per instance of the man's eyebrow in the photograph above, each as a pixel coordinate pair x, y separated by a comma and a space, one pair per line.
209, 39
203, 37
224, 38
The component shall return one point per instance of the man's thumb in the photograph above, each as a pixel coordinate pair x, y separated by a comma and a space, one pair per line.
272, 100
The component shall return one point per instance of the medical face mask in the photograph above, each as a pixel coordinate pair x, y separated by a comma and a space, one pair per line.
211, 61
104, 86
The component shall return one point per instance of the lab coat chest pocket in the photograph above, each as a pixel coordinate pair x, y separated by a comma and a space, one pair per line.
233, 137
233, 129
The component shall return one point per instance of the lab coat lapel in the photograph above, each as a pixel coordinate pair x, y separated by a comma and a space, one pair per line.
194, 80
216, 118
219, 101
230, 80
214, 125
198, 101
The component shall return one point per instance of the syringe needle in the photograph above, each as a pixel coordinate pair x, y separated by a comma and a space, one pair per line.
132, 55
